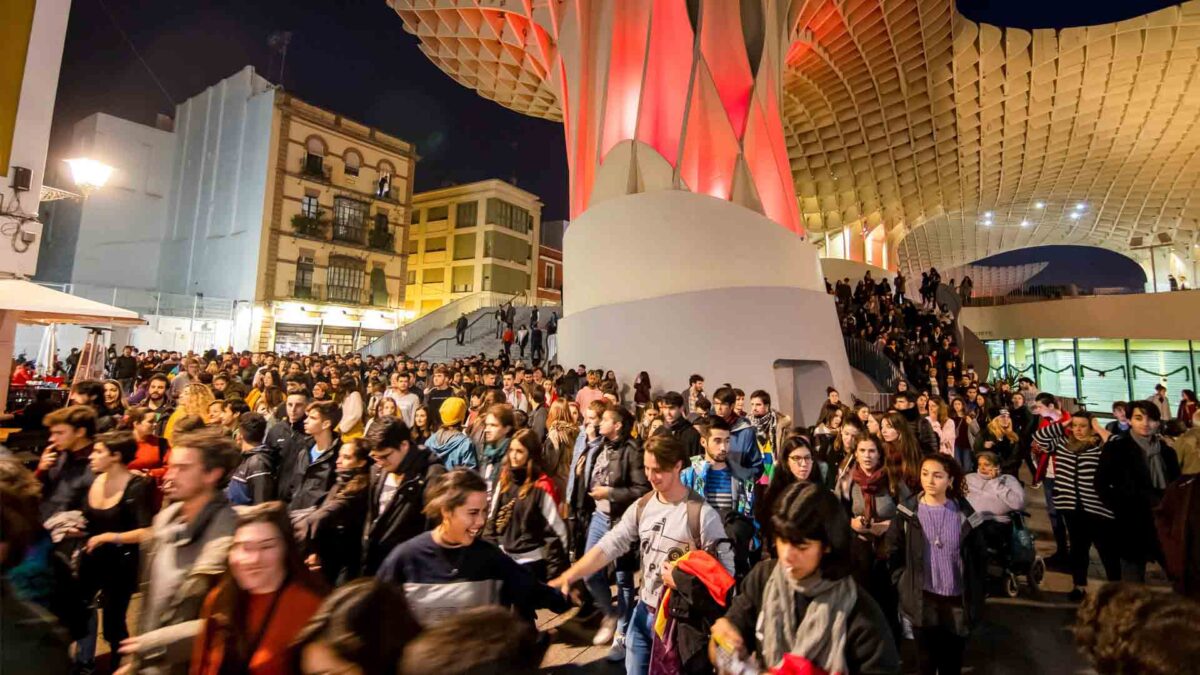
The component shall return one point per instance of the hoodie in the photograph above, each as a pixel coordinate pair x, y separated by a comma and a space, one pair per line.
453, 448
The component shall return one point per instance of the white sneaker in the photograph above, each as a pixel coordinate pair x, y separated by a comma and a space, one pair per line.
608, 628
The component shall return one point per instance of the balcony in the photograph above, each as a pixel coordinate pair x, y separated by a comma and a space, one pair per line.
310, 226
342, 295
381, 240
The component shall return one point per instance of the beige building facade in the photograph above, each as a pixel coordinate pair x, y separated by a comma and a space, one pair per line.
332, 266
475, 238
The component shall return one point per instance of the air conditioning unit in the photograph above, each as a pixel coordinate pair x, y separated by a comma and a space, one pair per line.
1135, 242
1163, 237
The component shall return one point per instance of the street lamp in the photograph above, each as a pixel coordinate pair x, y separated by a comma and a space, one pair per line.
88, 174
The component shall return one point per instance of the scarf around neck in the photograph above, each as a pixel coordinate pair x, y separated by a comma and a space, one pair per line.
492, 454
1152, 452
764, 427
821, 636
871, 484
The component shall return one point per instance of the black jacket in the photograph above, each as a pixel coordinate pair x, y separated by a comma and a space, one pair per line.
402, 518
124, 368
927, 438
869, 646
686, 433
253, 481
1123, 481
626, 475
905, 545
334, 531
311, 480
287, 441
66, 484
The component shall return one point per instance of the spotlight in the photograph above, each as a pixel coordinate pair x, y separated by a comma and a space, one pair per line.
987, 215
1075, 216
1039, 205
1024, 223
1080, 206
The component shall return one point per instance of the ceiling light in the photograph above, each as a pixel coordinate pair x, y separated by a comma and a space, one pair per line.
1039, 205
1080, 206
987, 214
1024, 223
1075, 216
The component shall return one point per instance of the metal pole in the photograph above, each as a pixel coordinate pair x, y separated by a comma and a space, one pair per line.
1078, 371
1128, 371
1153, 273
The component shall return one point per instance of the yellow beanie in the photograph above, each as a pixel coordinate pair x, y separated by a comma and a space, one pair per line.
453, 411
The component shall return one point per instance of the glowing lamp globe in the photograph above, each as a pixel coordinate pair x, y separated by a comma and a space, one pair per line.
89, 174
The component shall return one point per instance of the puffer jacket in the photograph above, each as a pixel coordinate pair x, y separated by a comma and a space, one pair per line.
166, 632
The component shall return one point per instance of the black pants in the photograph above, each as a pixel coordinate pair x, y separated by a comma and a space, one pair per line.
459, 335
1087, 530
939, 647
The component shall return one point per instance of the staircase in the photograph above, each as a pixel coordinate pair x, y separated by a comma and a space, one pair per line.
411, 334
480, 336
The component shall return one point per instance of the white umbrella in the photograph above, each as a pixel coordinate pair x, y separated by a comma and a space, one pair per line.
47, 350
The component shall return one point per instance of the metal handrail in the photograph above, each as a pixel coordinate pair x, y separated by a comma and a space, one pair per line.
471, 334
403, 338
870, 359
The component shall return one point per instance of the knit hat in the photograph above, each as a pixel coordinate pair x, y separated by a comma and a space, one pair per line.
453, 411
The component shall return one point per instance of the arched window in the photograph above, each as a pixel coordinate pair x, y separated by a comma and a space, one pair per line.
315, 146
353, 161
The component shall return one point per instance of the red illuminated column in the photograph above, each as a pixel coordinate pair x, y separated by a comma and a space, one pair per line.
689, 94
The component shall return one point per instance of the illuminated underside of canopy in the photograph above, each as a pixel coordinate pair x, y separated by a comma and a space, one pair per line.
949, 140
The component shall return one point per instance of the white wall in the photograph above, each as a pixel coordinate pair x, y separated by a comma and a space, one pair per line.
31, 136
219, 183
675, 283
1153, 316
120, 227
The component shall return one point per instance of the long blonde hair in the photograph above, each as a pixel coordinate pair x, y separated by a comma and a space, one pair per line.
195, 399
943, 410
997, 432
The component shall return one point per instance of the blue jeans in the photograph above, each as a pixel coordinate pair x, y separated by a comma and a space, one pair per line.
639, 639
598, 584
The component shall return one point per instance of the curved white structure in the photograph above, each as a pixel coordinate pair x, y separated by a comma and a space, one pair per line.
674, 283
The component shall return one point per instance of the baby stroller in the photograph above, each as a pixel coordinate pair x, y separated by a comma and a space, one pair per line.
1011, 554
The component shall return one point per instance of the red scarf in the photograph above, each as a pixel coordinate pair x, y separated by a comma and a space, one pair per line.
870, 484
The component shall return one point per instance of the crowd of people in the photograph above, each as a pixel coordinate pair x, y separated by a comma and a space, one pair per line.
334, 513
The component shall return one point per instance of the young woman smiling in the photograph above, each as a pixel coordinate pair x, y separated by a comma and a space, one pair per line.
451, 568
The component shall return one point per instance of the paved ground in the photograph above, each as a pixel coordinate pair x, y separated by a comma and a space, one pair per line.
1024, 636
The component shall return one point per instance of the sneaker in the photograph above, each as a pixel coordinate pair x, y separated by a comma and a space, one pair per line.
617, 653
608, 629
1077, 594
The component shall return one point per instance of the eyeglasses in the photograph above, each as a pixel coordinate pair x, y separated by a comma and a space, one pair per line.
799, 459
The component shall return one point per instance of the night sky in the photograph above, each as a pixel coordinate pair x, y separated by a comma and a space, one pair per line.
353, 57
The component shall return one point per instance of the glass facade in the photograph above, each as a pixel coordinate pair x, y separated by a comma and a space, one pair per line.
510, 216
1099, 371
466, 214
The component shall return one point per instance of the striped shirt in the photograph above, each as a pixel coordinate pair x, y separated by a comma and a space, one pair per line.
718, 489
943, 560
1074, 473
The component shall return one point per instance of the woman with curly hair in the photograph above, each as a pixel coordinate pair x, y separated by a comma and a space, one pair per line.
195, 400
